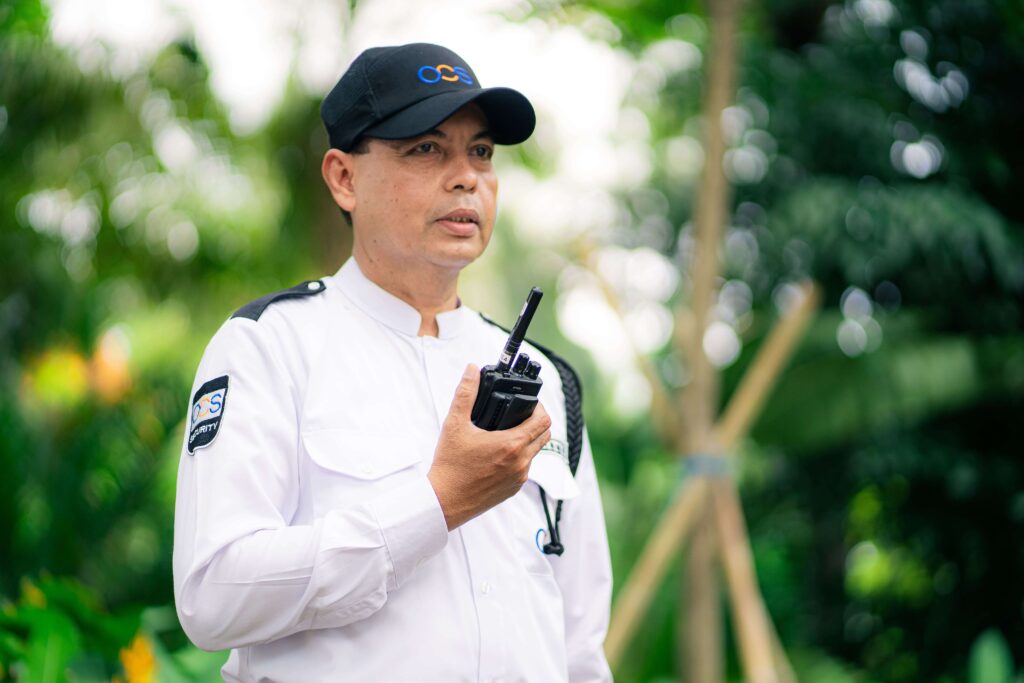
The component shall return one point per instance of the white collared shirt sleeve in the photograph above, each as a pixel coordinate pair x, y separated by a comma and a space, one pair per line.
242, 574
584, 575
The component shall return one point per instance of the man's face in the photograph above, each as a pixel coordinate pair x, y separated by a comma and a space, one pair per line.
428, 199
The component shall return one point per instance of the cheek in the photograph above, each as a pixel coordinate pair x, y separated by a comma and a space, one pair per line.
491, 184
388, 200
410, 194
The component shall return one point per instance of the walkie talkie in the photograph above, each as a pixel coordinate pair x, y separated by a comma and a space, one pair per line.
508, 391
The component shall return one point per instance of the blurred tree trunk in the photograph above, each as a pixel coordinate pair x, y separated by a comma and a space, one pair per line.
700, 623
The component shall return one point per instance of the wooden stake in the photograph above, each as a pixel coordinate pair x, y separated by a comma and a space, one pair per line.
783, 668
746, 402
750, 617
701, 643
703, 657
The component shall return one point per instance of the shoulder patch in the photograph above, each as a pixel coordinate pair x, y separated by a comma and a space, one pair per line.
254, 309
573, 393
208, 406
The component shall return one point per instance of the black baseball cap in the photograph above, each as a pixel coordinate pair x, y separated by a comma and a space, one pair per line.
403, 91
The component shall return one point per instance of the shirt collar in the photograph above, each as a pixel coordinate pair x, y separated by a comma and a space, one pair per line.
386, 308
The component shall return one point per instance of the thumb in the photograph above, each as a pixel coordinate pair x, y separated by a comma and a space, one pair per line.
465, 393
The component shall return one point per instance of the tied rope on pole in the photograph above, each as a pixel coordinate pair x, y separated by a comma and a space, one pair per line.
705, 465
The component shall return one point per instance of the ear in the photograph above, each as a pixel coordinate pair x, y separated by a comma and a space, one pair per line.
338, 170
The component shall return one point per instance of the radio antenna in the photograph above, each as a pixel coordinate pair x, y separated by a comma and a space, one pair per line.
519, 330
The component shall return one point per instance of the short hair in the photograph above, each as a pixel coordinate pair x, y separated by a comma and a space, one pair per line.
360, 146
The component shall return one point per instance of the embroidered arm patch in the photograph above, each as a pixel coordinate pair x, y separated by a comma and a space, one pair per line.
559, 448
207, 410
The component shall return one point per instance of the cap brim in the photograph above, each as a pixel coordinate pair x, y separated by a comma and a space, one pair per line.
510, 115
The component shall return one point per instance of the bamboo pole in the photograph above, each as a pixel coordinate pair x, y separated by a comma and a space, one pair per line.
750, 616
709, 217
749, 397
701, 610
635, 597
673, 527
704, 633
782, 666
762, 655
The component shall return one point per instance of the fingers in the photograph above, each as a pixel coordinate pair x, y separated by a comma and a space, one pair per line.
465, 393
535, 426
540, 419
537, 443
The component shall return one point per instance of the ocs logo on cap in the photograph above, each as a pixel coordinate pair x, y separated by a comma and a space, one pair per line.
443, 72
208, 405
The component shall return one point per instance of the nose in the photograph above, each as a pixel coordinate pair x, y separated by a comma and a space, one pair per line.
462, 175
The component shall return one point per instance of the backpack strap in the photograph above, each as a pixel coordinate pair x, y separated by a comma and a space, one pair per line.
573, 393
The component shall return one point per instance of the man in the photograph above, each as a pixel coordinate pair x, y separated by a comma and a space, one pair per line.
339, 517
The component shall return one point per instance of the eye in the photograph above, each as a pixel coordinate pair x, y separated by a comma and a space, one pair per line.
483, 151
424, 148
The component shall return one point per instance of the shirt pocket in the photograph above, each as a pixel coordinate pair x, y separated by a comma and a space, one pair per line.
347, 467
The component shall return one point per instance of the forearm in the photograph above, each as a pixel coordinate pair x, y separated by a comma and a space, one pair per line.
275, 582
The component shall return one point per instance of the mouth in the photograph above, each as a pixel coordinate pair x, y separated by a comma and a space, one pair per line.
461, 222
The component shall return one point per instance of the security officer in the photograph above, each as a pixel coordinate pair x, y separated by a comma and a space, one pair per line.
338, 516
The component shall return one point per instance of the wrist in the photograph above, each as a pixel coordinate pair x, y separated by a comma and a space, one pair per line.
444, 499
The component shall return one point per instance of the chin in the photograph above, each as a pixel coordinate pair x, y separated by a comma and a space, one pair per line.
455, 252
457, 256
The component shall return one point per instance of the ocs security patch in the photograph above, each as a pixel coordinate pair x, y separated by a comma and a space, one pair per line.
207, 411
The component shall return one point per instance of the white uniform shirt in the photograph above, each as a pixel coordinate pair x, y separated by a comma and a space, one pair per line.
308, 539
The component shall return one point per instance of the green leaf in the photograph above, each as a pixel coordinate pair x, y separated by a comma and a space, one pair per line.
174, 668
990, 659
53, 643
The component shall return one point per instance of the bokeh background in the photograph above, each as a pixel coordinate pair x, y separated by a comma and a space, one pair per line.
159, 167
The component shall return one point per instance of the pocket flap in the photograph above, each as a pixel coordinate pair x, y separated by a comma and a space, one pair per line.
551, 473
360, 455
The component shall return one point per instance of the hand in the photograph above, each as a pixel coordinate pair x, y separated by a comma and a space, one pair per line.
475, 469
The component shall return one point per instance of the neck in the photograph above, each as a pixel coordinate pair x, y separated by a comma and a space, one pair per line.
429, 290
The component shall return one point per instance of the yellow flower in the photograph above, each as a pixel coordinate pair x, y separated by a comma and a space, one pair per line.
33, 595
57, 380
138, 661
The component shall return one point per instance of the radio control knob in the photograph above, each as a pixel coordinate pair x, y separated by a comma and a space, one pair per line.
533, 369
519, 367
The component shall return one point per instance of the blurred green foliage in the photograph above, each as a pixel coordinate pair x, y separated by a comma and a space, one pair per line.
882, 483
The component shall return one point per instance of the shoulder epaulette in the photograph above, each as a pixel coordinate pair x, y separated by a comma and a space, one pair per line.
573, 393
254, 309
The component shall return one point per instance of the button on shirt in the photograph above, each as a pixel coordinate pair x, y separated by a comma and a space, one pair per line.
310, 542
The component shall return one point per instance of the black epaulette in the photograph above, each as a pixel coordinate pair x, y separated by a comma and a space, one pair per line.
573, 393
254, 309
